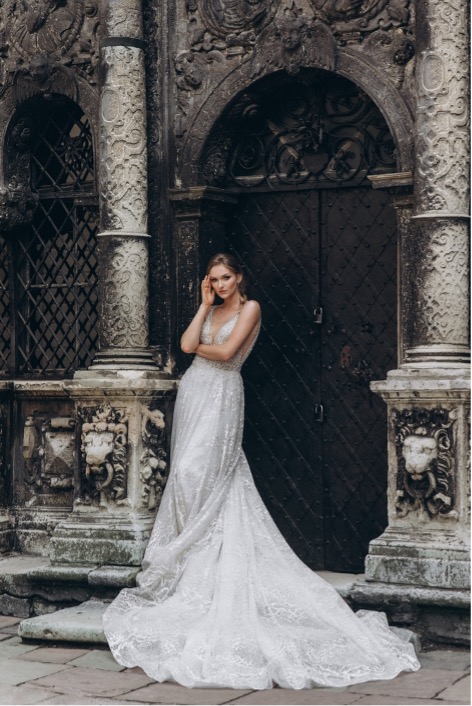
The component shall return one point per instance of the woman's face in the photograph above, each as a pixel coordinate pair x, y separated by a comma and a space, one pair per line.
224, 281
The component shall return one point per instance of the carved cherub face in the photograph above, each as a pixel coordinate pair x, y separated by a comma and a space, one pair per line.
98, 446
39, 68
418, 452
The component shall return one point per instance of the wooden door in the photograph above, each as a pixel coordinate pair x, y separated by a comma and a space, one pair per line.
322, 263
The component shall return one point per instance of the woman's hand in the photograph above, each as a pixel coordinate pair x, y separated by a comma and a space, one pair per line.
208, 293
191, 336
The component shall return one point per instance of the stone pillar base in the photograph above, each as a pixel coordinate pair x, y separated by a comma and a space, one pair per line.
427, 541
420, 559
108, 539
122, 359
123, 425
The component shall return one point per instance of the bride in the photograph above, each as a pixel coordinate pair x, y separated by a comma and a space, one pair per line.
222, 601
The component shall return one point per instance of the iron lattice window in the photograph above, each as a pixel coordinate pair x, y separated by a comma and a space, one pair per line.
52, 265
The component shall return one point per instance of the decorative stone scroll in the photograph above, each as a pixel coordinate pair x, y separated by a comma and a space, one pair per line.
153, 466
426, 467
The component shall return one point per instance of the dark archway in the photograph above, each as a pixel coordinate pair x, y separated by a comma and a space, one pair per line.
319, 247
49, 321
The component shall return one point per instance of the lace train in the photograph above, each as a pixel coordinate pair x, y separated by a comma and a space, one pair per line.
222, 600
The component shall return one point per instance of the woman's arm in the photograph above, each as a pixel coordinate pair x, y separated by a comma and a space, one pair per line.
191, 336
248, 319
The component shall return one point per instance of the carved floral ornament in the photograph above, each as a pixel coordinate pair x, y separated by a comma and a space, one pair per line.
425, 481
233, 27
104, 439
40, 42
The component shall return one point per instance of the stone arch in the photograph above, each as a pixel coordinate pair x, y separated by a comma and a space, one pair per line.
349, 64
77, 90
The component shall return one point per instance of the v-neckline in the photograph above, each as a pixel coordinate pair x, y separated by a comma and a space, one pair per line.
213, 337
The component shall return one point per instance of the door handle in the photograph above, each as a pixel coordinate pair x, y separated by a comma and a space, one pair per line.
319, 413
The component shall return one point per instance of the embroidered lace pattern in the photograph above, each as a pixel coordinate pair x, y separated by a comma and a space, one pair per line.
222, 601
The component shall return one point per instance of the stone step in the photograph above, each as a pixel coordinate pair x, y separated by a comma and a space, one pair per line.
83, 623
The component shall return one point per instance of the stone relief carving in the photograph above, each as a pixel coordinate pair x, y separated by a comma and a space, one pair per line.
42, 40
125, 295
49, 459
153, 459
426, 468
104, 464
441, 282
443, 115
299, 34
227, 25
293, 40
123, 141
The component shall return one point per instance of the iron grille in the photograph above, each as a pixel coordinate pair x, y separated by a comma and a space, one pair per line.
53, 263
5, 323
316, 131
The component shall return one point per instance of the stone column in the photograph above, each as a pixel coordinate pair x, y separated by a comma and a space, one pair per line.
123, 238
123, 401
439, 311
421, 562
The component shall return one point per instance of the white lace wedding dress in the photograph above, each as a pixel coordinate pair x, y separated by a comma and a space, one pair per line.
222, 600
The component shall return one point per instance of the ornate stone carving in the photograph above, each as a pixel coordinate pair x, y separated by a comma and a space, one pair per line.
124, 288
42, 39
292, 41
104, 464
351, 19
43, 26
17, 207
44, 75
442, 109
426, 470
440, 285
153, 471
123, 150
49, 459
227, 25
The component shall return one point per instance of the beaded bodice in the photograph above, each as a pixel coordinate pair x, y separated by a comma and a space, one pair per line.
222, 335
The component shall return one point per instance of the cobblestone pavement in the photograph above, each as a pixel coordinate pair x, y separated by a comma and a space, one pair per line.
57, 674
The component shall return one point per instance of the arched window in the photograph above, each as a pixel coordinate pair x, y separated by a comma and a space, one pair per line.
51, 265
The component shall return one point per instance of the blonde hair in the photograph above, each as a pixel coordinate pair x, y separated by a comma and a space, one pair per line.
232, 264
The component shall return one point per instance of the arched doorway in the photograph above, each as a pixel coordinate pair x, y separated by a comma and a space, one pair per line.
319, 247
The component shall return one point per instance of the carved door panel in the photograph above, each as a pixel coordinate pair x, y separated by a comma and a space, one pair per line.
322, 264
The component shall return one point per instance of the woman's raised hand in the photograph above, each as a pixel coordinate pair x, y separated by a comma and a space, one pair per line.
208, 294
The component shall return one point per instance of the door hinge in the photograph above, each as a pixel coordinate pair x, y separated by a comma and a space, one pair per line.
319, 413
318, 315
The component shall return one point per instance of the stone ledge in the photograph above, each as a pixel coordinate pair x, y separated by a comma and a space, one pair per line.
377, 593
80, 624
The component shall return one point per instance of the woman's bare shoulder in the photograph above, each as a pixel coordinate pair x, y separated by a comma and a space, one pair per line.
251, 306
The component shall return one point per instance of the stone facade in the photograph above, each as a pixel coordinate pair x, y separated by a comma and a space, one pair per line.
165, 88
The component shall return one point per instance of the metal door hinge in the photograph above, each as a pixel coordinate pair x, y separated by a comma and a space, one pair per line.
318, 315
319, 413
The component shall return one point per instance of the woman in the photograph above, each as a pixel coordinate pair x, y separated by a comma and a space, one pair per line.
222, 600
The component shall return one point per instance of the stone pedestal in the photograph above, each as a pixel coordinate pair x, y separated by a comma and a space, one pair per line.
123, 425
423, 557
427, 539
